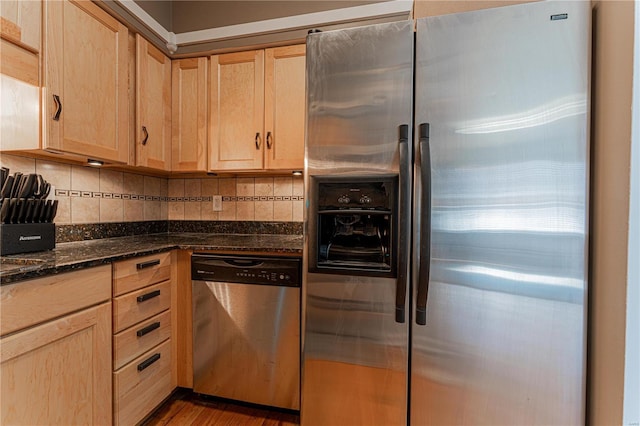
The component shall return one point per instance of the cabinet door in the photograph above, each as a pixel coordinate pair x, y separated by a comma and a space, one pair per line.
20, 22
236, 111
189, 115
285, 107
85, 93
59, 372
153, 106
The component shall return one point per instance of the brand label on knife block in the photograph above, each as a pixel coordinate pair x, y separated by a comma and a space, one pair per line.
18, 238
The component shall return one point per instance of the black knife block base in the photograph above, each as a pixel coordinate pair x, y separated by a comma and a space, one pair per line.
26, 237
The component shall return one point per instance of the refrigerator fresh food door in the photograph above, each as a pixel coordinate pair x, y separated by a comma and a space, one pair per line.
359, 87
505, 94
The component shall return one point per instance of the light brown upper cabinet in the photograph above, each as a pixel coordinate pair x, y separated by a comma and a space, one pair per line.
236, 111
189, 115
85, 81
285, 107
153, 107
20, 22
257, 110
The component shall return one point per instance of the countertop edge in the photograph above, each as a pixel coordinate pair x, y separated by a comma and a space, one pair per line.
39, 270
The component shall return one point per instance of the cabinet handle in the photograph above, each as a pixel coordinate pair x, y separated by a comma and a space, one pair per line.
147, 362
148, 296
147, 264
269, 142
148, 329
146, 135
56, 116
258, 140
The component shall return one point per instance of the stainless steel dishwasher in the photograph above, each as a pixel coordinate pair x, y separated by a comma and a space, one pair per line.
246, 328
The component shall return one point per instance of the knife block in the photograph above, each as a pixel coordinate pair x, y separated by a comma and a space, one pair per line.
26, 237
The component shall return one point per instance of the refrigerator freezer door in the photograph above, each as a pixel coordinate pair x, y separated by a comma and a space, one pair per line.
359, 91
359, 85
505, 92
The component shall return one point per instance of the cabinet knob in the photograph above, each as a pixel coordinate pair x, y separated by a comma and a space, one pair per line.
257, 140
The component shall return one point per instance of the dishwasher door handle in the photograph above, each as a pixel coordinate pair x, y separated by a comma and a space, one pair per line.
243, 263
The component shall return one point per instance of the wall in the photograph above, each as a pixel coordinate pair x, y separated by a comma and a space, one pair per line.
611, 137
631, 410
613, 27
92, 195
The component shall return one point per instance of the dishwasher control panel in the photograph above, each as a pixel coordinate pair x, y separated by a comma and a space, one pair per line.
265, 270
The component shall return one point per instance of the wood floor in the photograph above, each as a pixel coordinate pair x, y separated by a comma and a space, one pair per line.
187, 408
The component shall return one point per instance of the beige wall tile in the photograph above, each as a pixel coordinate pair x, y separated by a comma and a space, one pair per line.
152, 210
245, 186
111, 210
209, 187
84, 179
18, 164
63, 215
164, 210
133, 184
206, 211
152, 186
176, 188
133, 210
176, 210
264, 186
192, 188
245, 210
263, 210
85, 210
192, 210
283, 186
298, 186
227, 186
282, 211
298, 211
229, 210
57, 174
111, 181
164, 187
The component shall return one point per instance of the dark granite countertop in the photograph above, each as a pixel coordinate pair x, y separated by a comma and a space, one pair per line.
83, 254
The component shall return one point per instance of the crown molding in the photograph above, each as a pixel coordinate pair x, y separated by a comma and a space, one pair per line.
173, 42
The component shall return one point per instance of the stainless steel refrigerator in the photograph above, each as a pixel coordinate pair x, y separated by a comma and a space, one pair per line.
446, 226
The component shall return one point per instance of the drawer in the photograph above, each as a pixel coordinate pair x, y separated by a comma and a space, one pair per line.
133, 274
142, 384
140, 305
134, 341
34, 301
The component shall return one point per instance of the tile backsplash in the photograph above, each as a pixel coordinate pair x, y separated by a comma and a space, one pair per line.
92, 195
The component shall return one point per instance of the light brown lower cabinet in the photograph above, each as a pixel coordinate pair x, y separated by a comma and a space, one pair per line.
142, 384
58, 373
144, 361
57, 370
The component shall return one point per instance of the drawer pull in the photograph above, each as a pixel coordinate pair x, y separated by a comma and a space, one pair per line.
147, 362
148, 264
148, 329
150, 295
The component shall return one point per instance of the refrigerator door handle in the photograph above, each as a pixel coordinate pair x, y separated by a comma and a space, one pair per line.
405, 216
425, 225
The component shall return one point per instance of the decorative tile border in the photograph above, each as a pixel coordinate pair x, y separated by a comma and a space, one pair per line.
109, 195
118, 196
262, 198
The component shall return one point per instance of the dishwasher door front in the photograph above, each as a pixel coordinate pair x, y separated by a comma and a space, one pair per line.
246, 342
